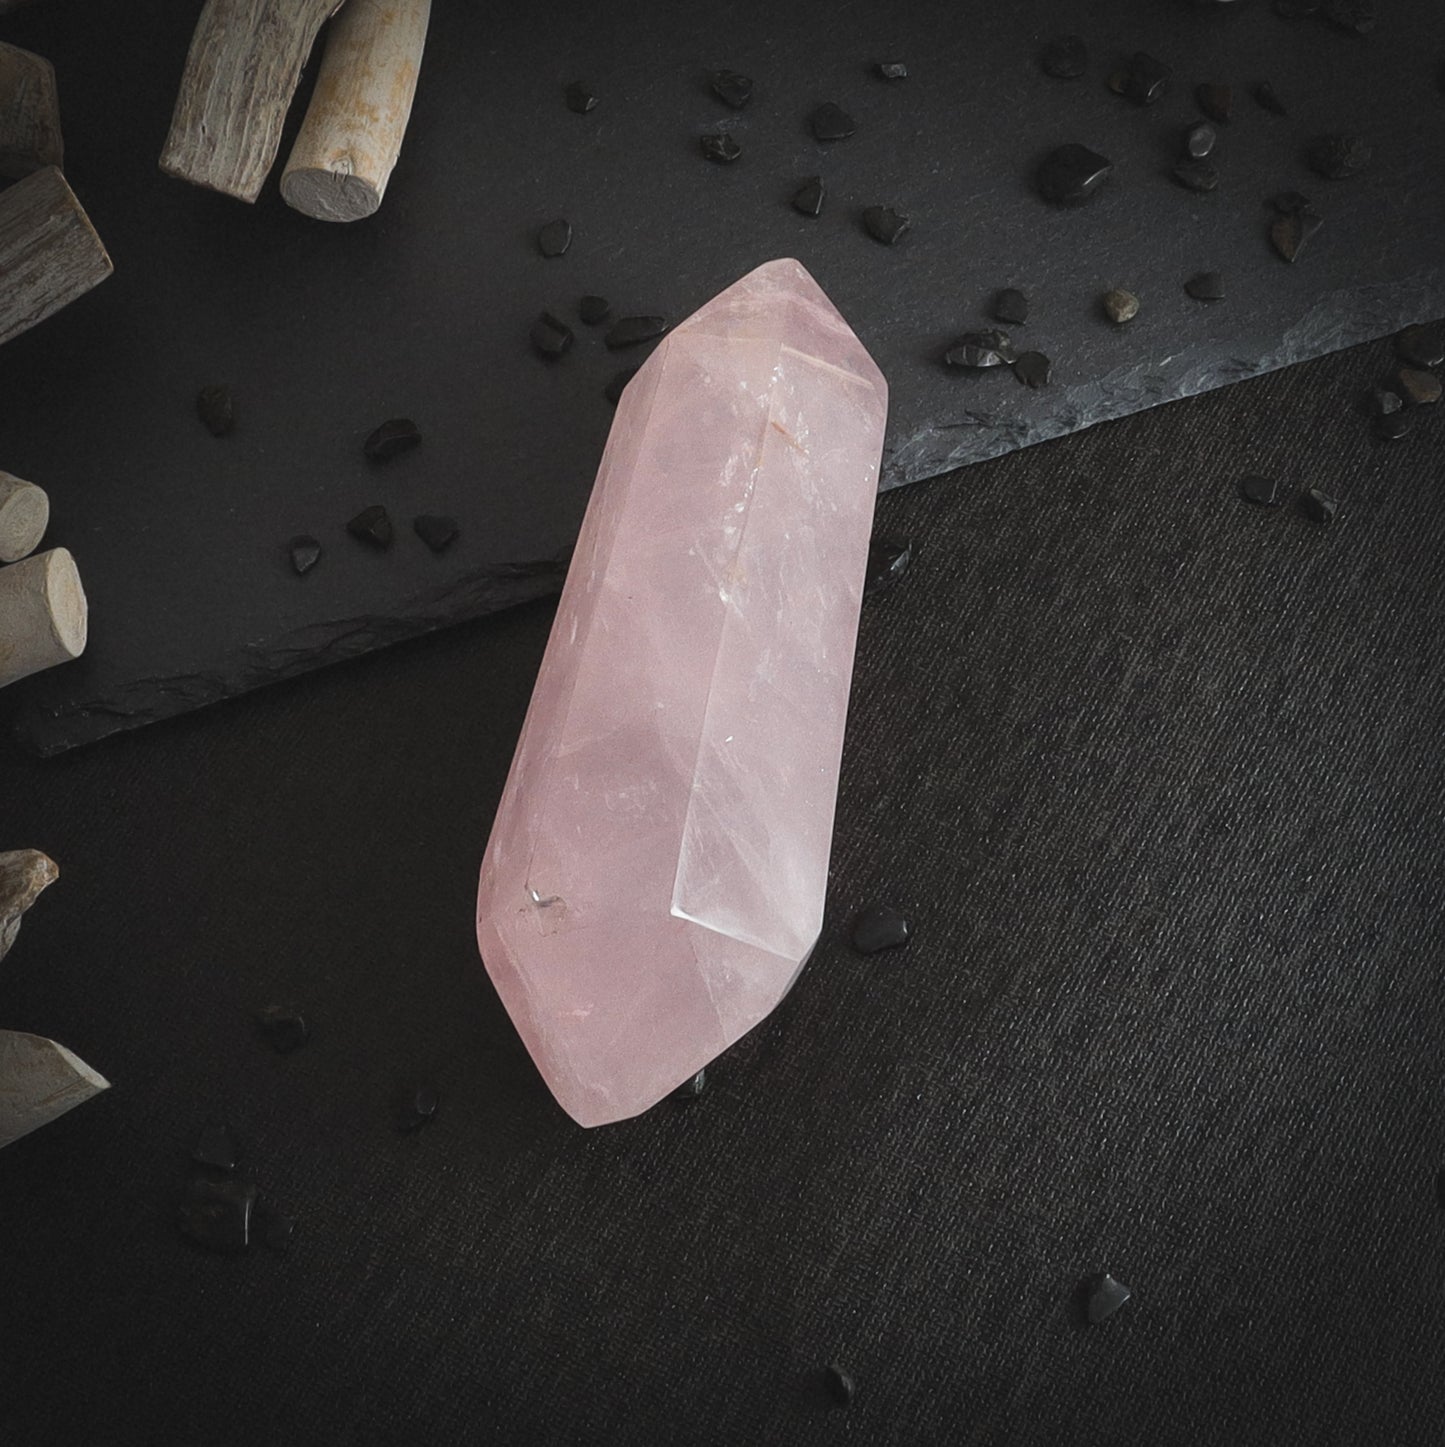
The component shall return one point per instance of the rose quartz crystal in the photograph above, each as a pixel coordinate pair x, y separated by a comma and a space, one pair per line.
655, 876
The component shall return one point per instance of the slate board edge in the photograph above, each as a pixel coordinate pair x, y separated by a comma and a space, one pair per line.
51, 730
1353, 318
1338, 321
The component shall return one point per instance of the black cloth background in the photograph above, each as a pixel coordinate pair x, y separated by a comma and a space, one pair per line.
1158, 776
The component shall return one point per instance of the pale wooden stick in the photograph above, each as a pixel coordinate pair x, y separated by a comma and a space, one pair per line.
40, 1080
43, 615
24, 874
49, 252
29, 113
244, 64
24, 516
349, 142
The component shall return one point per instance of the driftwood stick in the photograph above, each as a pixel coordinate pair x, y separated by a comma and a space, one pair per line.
24, 516
349, 142
24, 874
43, 616
244, 64
49, 252
29, 113
40, 1080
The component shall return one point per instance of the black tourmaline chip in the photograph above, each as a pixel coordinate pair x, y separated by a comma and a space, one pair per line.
372, 525
1205, 286
305, 553
1419, 389
692, 1087
551, 336
1290, 234
840, 1385
217, 1214
809, 197
888, 560
415, 1106
832, 123
731, 88
977, 350
594, 310
1032, 369
1103, 1296
273, 1230
283, 1028
215, 408
1317, 506
1296, 9
720, 147
629, 331
580, 98
436, 531
1145, 79
1381, 401
1196, 175
1357, 17
555, 237
215, 1147
1267, 98
1200, 140
613, 390
891, 70
879, 927
391, 439
1216, 101
1288, 202
1392, 426
884, 224
1422, 345
1262, 491
1071, 174
1120, 306
1065, 57
1011, 306
1335, 157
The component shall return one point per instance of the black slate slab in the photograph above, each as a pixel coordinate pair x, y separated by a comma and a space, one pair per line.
424, 310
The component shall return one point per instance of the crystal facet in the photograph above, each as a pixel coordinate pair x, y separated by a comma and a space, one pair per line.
656, 871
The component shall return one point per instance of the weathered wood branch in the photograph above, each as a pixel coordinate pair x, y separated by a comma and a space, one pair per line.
40, 1080
352, 135
49, 252
242, 70
29, 113
43, 615
24, 875
24, 516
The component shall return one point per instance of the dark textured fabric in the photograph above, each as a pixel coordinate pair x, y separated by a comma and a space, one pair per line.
1158, 776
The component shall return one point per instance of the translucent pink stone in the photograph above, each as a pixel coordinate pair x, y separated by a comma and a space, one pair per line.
656, 871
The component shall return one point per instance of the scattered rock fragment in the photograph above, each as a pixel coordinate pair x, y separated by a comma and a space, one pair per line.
879, 927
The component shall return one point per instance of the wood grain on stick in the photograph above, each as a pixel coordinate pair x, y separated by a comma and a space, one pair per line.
24, 875
352, 135
29, 113
49, 252
43, 615
40, 1080
242, 70
24, 516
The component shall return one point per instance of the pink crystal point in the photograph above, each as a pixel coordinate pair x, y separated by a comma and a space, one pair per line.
655, 875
